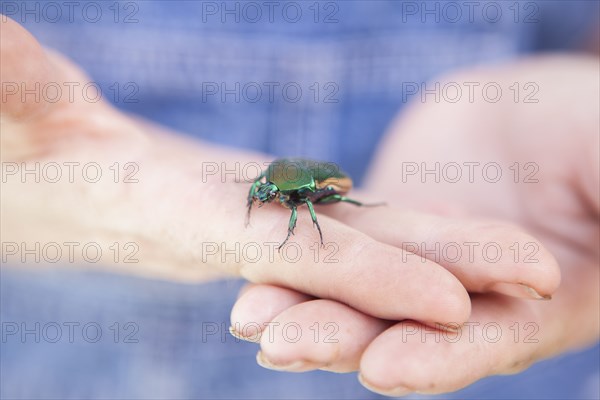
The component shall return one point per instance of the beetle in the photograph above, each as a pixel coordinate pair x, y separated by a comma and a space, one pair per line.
297, 181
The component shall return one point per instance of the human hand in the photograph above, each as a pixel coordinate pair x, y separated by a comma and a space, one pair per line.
185, 221
561, 210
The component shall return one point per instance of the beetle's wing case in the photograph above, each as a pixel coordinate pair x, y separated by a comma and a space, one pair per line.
297, 173
290, 174
328, 174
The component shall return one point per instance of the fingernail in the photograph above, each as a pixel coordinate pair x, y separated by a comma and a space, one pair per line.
397, 391
450, 327
534, 293
296, 366
519, 290
254, 338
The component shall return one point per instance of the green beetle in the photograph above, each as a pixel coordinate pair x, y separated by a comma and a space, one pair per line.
297, 181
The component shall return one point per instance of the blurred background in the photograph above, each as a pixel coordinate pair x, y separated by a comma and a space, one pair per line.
278, 78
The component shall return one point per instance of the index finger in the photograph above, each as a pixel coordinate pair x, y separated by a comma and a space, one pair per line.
484, 255
373, 277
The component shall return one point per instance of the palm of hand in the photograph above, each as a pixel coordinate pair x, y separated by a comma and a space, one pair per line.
547, 153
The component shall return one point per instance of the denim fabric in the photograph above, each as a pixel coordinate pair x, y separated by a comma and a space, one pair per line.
161, 60
171, 342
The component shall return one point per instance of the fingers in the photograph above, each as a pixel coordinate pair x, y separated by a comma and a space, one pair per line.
504, 335
257, 306
484, 256
23, 65
46, 100
36, 80
381, 280
297, 333
318, 334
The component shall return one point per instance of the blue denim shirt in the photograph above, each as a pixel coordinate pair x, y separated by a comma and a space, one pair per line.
320, 80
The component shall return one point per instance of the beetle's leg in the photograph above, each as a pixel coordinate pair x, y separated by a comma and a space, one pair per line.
291, 226
313, 215
251, 193
334, 198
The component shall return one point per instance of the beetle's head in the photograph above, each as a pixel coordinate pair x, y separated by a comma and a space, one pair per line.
266, 193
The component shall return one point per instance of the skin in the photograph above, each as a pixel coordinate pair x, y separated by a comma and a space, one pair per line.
172, 213
561, 135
